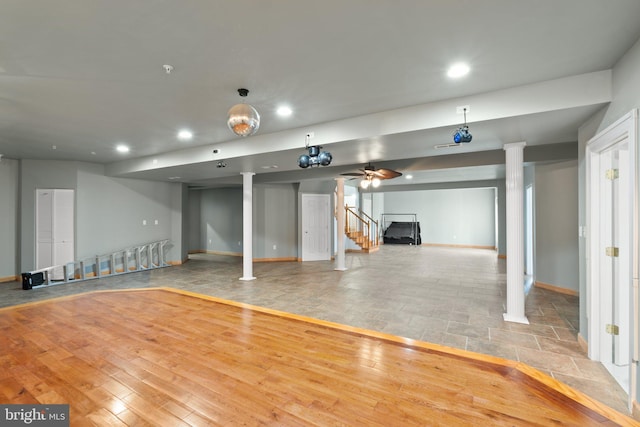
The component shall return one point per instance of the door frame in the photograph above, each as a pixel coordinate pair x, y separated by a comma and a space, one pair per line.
61, 218
326, 254
624, 128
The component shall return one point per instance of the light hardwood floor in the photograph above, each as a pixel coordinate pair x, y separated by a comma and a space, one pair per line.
163, 357
449, 296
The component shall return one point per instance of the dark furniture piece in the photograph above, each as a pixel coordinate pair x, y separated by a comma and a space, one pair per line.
403, 233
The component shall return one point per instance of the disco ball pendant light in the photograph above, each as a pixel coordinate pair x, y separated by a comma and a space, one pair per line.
243, 119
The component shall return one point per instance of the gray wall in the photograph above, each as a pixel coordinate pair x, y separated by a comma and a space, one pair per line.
217, 226
556, 224
179, 222
9, 218
109, 211
197, 241
40, 174
456, 216
626, 96
220, 220
275, 221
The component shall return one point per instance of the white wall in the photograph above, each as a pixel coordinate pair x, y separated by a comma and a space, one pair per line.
452, 217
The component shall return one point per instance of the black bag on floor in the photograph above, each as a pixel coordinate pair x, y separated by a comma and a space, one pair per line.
30, 280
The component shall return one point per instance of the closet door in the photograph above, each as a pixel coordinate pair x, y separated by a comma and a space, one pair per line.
55, 214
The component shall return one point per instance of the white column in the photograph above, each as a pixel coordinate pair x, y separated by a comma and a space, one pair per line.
340, 261
247, 226
515, 233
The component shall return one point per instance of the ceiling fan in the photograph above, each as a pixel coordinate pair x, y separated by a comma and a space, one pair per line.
372, 176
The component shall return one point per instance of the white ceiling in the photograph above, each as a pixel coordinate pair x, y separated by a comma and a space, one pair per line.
366, 77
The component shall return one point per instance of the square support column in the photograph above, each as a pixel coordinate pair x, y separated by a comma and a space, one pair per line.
515, 233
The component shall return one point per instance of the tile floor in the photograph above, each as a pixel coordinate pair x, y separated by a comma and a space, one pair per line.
447, 296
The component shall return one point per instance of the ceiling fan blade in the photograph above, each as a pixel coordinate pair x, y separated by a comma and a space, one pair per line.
351, 174
386, 173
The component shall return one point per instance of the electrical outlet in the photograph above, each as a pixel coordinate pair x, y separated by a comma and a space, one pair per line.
155, 222
275, 247
239, 243
144, 222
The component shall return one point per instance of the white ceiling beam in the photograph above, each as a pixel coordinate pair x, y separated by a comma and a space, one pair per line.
565, 93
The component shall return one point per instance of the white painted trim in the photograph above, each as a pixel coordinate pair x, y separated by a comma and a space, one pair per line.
623, 128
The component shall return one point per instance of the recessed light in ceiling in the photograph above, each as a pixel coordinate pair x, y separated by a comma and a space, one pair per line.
121, 148
173, 178
284, 111
269, 167
458, 70
408, 176
185, 135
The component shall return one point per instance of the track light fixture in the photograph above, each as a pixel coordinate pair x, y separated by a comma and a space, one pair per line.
315, 156
462, 133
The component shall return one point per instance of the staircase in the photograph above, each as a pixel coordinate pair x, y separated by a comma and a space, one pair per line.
138, 258
361, 229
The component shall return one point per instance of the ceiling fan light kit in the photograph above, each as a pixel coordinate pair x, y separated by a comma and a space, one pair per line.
370, 181
243, 119
372, 176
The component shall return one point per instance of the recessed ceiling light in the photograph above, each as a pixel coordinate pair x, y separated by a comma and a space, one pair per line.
173, 178
458, 70
409, 176
121, 148
185, 135
269, 167
284, 111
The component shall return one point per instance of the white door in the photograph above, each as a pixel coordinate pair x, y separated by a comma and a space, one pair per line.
612, 266
615, 273
54, 228
316, 227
